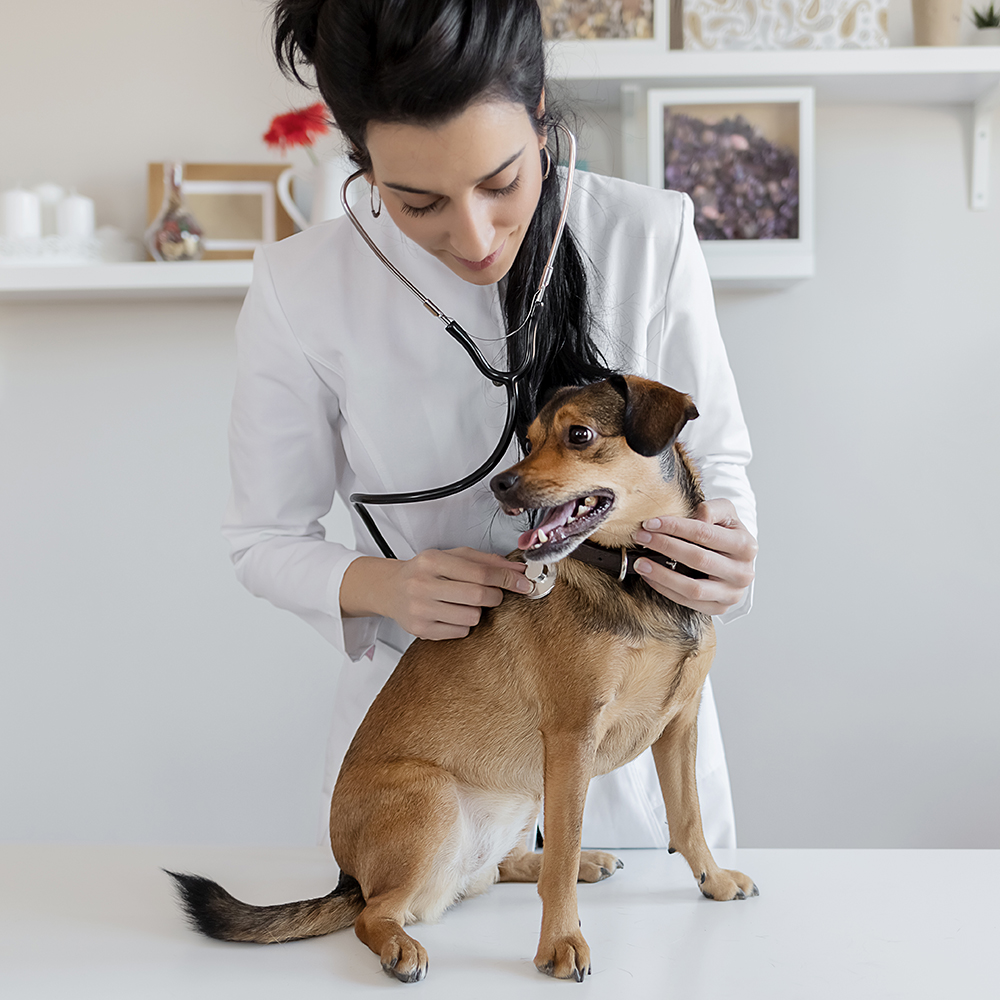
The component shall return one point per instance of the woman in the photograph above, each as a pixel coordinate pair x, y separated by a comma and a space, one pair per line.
345, 384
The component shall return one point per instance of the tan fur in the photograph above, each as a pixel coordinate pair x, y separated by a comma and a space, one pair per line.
441, 785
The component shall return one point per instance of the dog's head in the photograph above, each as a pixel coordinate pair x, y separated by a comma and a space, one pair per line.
602, 459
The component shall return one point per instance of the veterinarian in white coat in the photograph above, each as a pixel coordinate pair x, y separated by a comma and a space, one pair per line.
346, 384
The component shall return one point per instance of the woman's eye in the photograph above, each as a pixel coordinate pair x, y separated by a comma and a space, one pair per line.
509, 189
580, 435
417, 212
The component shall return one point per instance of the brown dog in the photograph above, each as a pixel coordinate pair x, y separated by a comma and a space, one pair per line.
441, 787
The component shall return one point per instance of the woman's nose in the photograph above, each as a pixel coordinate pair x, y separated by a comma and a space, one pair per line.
472, 232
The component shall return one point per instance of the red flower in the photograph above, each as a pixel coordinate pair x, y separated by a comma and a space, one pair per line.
298, 128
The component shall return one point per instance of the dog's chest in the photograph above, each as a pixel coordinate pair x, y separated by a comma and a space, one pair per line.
647, 692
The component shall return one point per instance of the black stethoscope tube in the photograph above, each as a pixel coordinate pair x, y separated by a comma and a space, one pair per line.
508, 379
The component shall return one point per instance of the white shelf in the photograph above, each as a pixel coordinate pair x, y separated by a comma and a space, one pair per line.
596, 71
924, 75
147, 280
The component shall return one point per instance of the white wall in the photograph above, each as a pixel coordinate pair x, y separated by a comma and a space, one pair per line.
147, 698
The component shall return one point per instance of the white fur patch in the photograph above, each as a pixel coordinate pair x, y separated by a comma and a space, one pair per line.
488, 828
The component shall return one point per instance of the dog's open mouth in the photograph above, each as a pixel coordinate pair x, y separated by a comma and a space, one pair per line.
563, 527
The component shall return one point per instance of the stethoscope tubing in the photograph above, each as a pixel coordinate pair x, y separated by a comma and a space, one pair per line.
507, 379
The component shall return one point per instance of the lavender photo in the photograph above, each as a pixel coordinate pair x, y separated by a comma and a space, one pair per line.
744, 185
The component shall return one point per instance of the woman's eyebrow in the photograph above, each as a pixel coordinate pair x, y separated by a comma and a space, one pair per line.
503, 166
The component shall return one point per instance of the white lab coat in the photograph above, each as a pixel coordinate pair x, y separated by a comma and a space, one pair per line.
345, 383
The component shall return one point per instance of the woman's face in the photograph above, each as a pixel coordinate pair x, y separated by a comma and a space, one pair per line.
466, 190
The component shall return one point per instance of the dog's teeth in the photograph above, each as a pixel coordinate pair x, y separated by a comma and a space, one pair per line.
542, 537
590, 502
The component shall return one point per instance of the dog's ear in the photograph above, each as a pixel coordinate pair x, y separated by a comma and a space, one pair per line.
654, 413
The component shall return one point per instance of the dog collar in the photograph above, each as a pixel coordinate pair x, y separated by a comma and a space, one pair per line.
621, 562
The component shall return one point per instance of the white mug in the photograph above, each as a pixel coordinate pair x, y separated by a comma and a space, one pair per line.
325, 182
22, 214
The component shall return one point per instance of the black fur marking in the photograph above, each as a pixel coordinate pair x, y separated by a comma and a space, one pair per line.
202, 900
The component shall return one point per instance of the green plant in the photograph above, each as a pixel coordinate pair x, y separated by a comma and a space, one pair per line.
986, 18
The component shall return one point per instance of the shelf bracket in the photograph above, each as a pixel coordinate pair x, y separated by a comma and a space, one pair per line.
982, 127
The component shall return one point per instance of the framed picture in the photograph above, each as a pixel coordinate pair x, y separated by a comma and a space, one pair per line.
236, 205
745, 157
611, 22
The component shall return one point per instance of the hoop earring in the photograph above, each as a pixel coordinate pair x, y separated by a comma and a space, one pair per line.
376, 212
548, 163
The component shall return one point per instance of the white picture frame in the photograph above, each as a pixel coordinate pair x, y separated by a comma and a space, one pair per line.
786, 112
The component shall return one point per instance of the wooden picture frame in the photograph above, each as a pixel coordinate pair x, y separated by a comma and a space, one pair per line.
553, 11
236, 205
765, 232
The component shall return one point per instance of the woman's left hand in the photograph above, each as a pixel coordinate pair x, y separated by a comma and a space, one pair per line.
714, 541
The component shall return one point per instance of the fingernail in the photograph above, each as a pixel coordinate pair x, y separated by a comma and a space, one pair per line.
524, 586
653, 523
643, 566
643, 536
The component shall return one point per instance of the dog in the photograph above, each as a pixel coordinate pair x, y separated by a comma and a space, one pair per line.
440, 789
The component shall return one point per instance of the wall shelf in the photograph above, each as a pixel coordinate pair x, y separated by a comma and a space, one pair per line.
617, 73
923, 75
140, 279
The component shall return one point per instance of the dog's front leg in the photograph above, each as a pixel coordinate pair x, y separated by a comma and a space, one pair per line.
674, 754
562, 950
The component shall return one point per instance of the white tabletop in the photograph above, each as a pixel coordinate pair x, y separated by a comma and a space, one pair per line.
101, 922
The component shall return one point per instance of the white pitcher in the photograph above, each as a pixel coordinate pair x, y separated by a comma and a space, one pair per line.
325, 181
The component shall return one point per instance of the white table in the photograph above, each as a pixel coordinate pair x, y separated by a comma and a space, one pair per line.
100, 922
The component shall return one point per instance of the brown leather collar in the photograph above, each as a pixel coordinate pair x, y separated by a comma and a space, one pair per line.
621, 562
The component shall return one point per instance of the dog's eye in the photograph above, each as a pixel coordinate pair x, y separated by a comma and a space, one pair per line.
579, 435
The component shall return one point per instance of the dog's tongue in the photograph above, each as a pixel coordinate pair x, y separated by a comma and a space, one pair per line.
554, 518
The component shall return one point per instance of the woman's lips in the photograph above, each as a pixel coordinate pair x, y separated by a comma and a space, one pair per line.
481, 265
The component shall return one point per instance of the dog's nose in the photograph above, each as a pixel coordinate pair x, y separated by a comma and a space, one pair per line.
503, 482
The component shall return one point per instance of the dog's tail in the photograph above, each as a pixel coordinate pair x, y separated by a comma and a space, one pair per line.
217, 914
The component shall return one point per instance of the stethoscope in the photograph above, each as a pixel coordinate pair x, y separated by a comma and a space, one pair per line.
508, 379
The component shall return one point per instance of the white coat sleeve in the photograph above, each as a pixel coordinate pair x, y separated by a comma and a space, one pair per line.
684, 341
286, 459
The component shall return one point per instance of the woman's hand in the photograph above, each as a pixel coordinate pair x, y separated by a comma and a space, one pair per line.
713, 541
438, 594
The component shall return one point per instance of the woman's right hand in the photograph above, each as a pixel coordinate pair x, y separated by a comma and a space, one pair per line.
438, 594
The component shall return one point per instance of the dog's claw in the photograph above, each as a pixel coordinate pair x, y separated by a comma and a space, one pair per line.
756, 891
619, 863
707, 895
605, 872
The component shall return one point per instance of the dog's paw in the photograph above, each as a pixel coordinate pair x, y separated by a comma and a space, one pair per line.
566, 957
404, 958
726, 884
595, 866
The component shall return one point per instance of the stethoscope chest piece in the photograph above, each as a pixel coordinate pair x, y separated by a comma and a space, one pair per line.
543, 577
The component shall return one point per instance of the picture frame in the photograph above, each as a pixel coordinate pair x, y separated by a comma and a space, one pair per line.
745, 155
561, 14
236, 204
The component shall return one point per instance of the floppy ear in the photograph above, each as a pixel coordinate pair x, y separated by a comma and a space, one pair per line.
654, 413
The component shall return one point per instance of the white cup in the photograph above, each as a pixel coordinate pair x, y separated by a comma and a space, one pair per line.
22, 215
75, 217
49, 195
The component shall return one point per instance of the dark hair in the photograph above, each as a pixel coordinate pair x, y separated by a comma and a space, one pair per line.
424, 62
